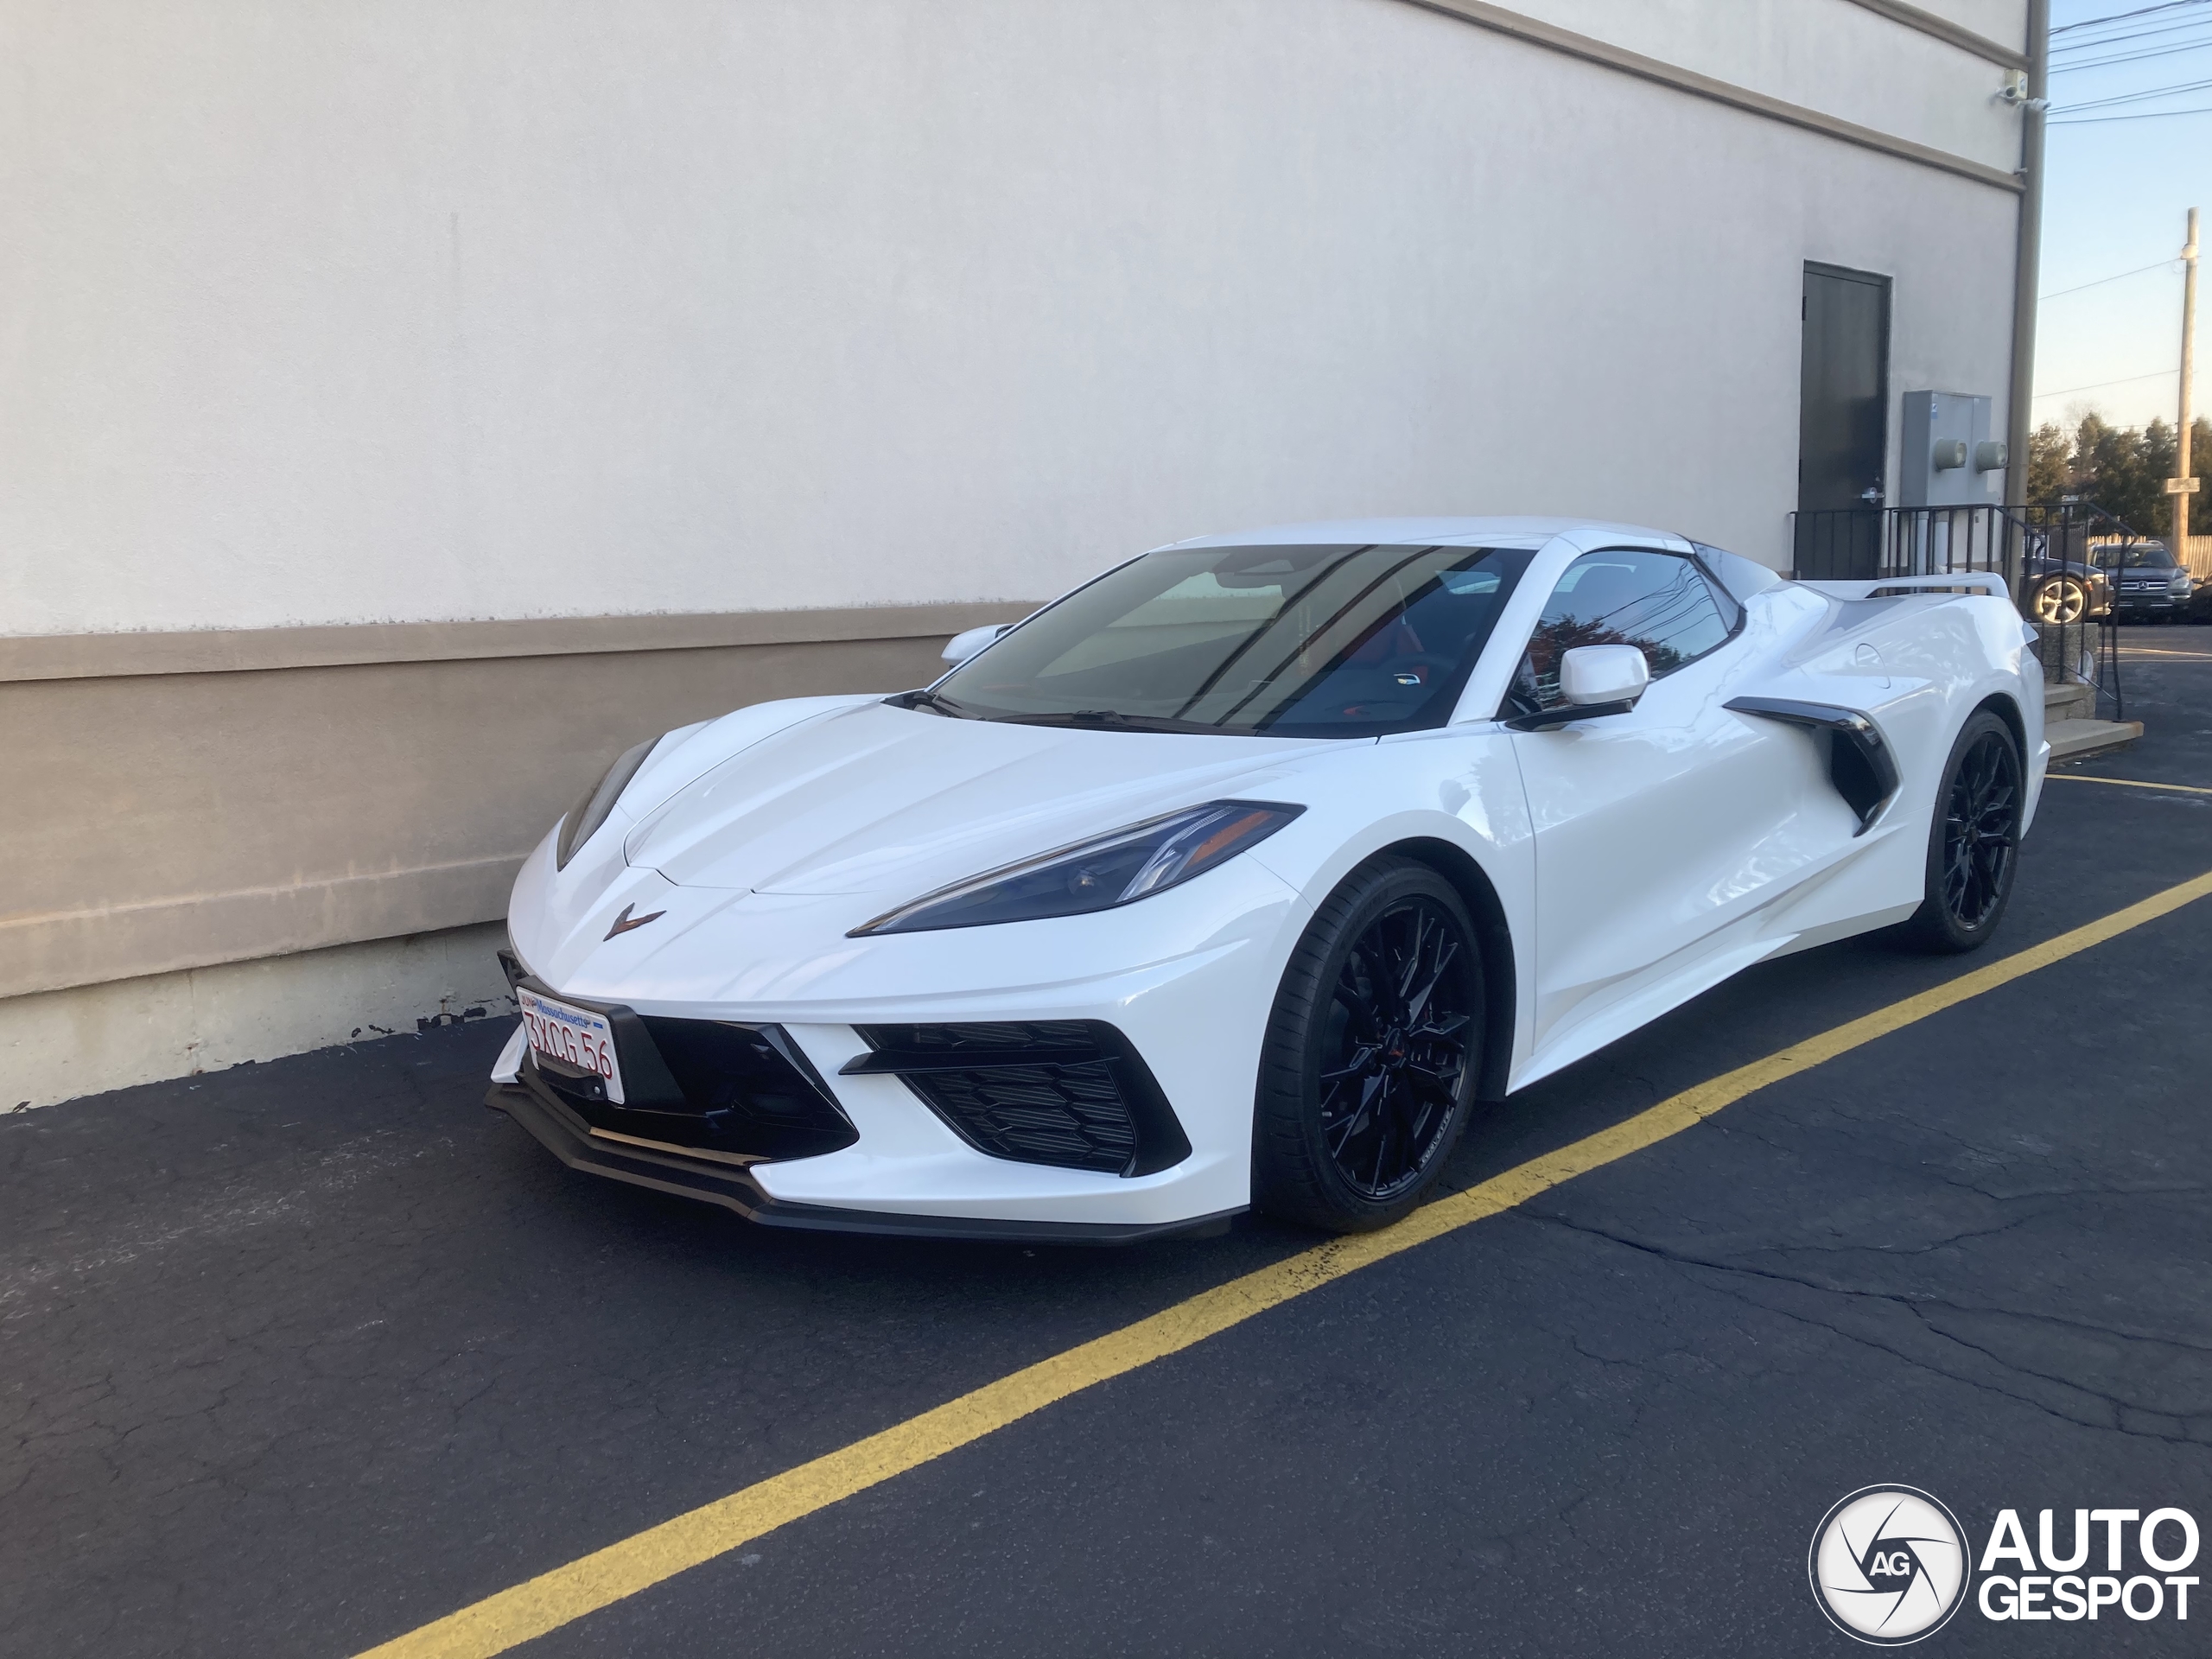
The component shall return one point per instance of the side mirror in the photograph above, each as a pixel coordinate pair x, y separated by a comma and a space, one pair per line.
1593, 680
1593, 677
961, 646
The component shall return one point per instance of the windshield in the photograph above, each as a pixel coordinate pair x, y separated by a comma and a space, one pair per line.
1294, 641
2136, 553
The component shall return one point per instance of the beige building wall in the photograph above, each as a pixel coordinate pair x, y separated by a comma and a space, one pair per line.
231, 846
167, 812
55, 1045
405, 406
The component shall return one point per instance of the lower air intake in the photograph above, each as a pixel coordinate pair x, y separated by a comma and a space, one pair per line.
737, 1092
1071, 1093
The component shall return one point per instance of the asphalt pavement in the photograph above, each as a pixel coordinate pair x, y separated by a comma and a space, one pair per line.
297, 1357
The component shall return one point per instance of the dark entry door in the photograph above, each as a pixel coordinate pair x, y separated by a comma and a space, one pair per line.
1842, 430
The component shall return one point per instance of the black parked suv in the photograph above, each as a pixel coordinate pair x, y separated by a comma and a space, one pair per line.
2149, 584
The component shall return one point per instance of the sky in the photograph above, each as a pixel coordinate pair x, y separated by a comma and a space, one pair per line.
2116, 198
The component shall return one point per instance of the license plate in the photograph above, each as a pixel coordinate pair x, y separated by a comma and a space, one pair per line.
572, 1038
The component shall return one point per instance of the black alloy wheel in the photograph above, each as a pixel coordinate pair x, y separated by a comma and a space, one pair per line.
1369, 1071
1974, 845
1979, 838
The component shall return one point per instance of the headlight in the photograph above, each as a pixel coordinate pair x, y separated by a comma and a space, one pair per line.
2179, 582
1117, 869
587, 815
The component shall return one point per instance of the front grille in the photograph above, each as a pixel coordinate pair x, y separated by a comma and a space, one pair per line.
1071, 1093
743, 1091
746, 1089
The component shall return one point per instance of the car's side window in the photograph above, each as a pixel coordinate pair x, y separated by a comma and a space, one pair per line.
1659, 602
1732, 608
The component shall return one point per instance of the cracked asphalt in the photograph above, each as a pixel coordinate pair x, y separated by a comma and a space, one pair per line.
297, 1357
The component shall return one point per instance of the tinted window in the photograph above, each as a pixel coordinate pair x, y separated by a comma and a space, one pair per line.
1724, 572
1297, 641
1658, 602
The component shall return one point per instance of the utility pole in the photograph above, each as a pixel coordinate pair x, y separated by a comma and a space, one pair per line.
2034, 91
2183, 482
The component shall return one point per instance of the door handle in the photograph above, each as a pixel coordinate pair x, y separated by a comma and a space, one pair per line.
1871, 495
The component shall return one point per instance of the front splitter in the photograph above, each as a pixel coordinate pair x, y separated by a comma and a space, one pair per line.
568, 1138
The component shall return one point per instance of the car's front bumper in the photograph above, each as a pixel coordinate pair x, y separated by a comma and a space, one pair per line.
568, 1138
1187, 979
2160, 602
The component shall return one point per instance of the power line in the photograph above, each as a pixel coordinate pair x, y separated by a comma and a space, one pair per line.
2125, 380
2075, 48
2117, 16
2101, 280
2131, 57
2146, 115
2174, 91
2119, 35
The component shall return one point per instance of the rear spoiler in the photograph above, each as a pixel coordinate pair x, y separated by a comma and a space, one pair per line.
1956, 581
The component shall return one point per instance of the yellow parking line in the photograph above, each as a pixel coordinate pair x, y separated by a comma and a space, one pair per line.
605, 1576
2125, 783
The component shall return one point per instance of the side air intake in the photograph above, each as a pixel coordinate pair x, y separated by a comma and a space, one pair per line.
1072, 1093
1860, 764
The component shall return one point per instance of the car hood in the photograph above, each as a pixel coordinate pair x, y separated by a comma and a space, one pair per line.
876, 798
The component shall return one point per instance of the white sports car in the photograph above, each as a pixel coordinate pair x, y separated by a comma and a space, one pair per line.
1241, 873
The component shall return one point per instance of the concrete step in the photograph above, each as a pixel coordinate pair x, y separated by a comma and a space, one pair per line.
2071, 739
2068, 699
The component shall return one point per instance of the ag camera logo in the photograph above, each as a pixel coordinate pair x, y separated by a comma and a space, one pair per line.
1888, 1564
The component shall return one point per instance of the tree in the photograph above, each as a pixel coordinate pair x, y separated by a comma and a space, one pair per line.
2050, 464
2121, 469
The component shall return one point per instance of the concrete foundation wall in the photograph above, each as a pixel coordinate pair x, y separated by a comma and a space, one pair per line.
58, 1045
156, 821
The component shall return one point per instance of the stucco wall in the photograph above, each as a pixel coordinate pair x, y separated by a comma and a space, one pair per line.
403, 311
1999, 20
1832, 55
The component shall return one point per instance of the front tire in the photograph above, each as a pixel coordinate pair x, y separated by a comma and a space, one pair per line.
2061, 602
1367, 1076
1974, 845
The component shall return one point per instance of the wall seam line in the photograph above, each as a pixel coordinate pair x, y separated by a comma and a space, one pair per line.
1566, 42
1943, 28
154, 653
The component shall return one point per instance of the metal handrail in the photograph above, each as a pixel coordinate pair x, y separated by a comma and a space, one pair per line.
2030, 548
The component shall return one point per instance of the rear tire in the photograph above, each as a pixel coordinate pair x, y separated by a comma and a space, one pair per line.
1973, 843
1367, 1075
